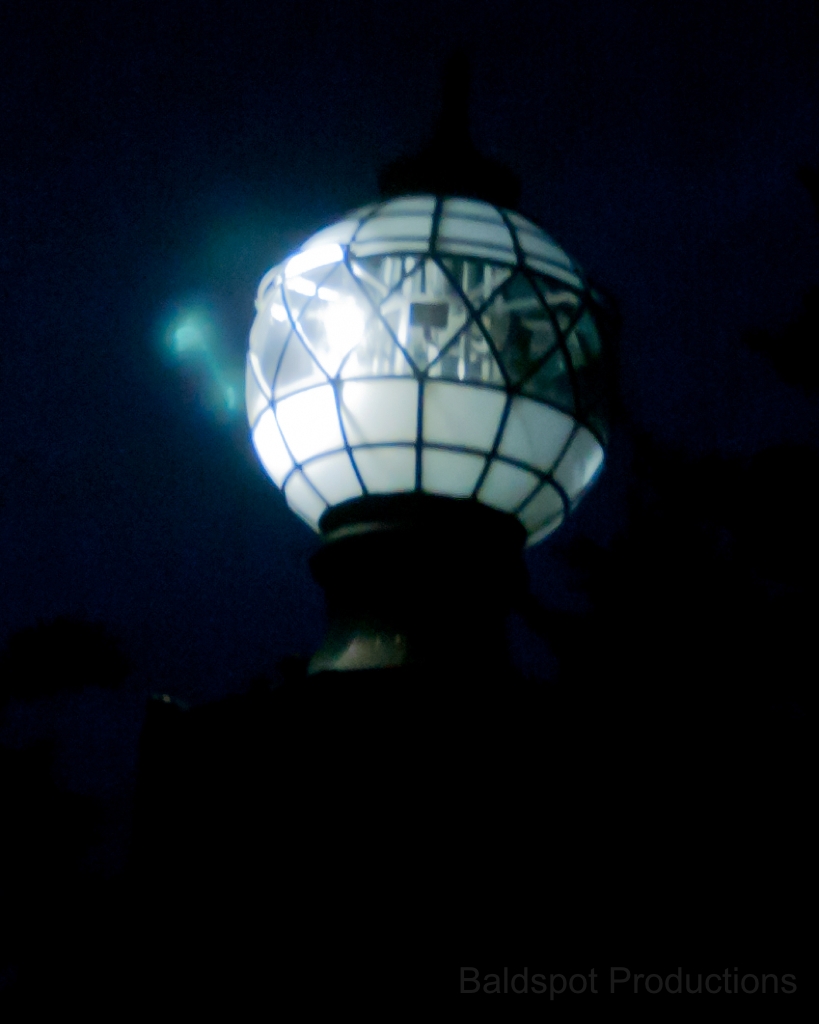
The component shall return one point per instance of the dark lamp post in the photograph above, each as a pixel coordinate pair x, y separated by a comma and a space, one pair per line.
424, 384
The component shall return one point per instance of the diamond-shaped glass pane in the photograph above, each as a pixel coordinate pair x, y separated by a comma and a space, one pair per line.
475, 279
298, 369
424, 312
552, 383
377, 355
588, 337
269, 336
519, 326
298, 293
376, 276
335, 320
564, 303
469, 357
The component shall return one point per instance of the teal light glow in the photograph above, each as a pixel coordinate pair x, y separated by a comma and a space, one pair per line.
188, 338
194, 343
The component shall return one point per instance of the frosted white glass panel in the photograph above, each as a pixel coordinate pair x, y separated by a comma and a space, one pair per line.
303, 499
462, 415
335, 321
385, 470
582, 460
297, 293
334, 477
297, 370
545, 505
460, 248
309, 422
380, 410
471, 208
453, 473
377, 247
267, 339
409, 204
267, 440
563, 302
535, 433
543, 532
255, 399
506, 486
542, 247
554, 271
521, 222
458, 229
395, 227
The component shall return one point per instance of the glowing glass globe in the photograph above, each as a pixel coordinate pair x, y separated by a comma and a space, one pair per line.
445, 346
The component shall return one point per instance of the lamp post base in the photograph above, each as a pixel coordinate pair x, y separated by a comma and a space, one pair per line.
417, 579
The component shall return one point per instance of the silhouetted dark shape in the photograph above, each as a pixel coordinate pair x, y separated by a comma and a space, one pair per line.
450, 164
47, 894
794, 350
809, 176
65, 654
710, 586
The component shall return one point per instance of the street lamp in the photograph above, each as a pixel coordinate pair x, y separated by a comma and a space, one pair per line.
428, 365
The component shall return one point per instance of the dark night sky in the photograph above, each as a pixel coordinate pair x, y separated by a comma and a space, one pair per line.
158, 158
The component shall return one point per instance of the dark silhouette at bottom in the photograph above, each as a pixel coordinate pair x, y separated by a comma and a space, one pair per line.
361, 835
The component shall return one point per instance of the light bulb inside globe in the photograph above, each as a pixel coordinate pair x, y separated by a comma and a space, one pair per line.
344, 324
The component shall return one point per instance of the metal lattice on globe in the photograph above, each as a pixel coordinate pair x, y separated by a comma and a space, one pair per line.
427, 344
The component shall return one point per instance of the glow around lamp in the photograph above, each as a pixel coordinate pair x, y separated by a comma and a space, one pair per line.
429, 364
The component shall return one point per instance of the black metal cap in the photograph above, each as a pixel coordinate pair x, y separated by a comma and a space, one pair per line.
450, 164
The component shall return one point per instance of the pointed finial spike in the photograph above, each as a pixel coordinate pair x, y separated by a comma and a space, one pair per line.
450, 164
457, 80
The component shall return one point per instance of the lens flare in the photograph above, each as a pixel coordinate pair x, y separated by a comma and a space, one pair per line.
194, 344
